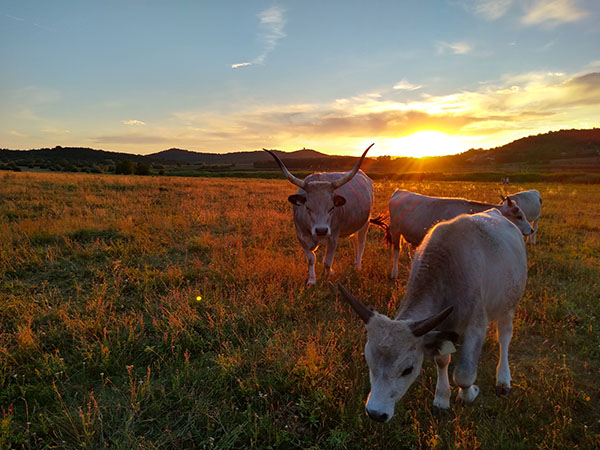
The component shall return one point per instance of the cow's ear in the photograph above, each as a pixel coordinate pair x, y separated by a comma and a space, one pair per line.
338, 200
440, 342
297, 199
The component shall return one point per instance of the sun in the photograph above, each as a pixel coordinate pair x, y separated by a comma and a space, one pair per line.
427, 143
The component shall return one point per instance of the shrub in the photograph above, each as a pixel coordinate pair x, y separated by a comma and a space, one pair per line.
124, 167
142, 169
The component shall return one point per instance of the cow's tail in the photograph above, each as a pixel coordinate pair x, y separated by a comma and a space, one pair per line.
380, 221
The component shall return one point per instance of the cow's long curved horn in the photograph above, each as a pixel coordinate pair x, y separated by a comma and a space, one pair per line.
358, 306
424, 326
294, 180
349, 175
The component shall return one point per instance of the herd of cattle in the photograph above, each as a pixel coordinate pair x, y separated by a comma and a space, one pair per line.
469, 268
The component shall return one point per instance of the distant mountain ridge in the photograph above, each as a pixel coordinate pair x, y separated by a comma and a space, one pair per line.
564, 149
248, 157
70, 153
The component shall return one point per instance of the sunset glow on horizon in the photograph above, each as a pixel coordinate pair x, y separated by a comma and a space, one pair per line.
429, 79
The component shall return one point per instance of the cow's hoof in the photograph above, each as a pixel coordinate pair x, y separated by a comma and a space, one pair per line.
502, 390
310, 282
438, 412
469, 394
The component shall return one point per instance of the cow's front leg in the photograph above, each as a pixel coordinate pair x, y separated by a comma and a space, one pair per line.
328, 260
311, 259
532, 235
442, 388
465, 372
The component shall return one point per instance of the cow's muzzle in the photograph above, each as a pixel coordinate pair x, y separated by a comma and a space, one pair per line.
377, 416
322, 231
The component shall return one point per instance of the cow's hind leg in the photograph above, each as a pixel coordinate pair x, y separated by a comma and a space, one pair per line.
504, 333
360, 239
465, 372
395, 255
442, 389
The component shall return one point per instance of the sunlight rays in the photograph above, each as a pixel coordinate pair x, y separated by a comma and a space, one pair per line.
425, 143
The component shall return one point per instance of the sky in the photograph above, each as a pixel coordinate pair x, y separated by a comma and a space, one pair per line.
417, 78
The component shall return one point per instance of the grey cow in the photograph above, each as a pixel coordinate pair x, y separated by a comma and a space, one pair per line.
531, 204
412, 215
468, 272
328, 206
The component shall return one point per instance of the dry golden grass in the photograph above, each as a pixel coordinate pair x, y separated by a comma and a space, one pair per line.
147, 312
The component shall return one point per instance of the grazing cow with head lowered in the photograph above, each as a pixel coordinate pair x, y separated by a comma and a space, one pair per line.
530, 203
328, 206
412, 215
468, 272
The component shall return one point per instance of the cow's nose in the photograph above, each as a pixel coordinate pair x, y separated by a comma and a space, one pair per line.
377, 416
321, 231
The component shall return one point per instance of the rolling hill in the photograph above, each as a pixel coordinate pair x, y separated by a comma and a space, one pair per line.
566, 150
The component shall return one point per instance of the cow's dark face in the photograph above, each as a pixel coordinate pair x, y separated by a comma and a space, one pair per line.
319, 202
511, 210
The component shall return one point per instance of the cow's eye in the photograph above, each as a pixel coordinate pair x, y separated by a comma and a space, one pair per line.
308, 209
331, 210
407, 371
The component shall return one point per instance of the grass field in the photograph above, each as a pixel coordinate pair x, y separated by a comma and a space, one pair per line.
155, 312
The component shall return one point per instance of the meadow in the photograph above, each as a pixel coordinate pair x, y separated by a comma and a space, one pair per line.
158, 312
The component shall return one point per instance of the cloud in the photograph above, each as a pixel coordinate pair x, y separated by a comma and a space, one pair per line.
458, 48
244, 64
404, 85
55, 131
488, 9
19, 19
553, 13
35, 24
497, 112
133, 122
271, 24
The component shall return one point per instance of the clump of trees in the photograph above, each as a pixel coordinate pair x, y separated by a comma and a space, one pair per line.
129, 167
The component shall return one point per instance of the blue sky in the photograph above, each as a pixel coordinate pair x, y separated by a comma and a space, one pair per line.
415, 77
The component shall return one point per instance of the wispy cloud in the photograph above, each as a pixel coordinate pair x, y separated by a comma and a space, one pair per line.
18, 19
271, 24
553, 13
35, 24
488, 9
458, 48
404, 85
55, 131
235, 66
133, 122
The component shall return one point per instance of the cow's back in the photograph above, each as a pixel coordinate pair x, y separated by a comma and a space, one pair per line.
412, 215
476, 263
